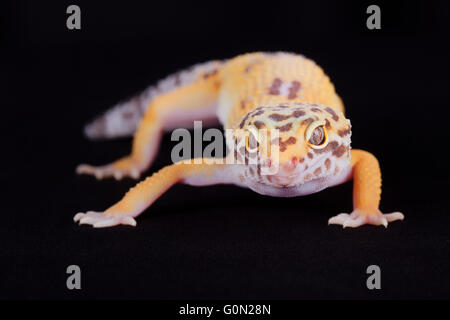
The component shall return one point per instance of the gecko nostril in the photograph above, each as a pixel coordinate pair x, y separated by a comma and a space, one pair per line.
290, 166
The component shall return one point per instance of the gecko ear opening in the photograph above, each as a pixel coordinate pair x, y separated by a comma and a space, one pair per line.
316, 135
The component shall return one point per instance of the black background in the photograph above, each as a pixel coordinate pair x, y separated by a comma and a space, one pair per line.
219, 242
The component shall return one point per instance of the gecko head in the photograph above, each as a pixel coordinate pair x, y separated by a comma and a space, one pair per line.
289, 145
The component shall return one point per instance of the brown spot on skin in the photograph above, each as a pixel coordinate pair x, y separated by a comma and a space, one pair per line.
250, 66
295, 87
298, 113
252, 172
310, 155
291, 140
279, 117
242, 104
259, 124
301, 160
177, 81
343, 132
330, 147
275, 87
127, 115
333, 114
283, 107
328, 164
318, 171
284, 144
316, 110
307, 121
340, 151
209, 74
241, 125
327, 124
259, 112
308, 176
286, 127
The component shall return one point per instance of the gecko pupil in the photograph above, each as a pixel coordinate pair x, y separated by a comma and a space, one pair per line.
252, 143
317, 137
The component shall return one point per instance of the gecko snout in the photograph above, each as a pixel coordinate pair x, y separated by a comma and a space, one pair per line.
290, 166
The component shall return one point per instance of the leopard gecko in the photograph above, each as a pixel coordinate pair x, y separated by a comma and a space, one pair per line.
277, 92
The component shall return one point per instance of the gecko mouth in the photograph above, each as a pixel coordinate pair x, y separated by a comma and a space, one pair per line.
312, 186
293, 173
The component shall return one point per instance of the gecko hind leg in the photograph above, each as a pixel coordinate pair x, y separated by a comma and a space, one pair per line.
181, 106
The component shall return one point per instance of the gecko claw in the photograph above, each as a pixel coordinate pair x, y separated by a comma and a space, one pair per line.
130, 221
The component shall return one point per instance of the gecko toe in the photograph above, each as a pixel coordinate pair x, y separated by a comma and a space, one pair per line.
129, 221
394, 216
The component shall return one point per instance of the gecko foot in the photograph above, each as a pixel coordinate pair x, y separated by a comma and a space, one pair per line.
108, 171
101, 219
356, 219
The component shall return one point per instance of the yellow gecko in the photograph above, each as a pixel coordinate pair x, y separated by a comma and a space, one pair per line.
278, 92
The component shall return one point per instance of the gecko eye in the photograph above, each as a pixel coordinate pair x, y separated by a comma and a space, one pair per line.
316, 135
252, 140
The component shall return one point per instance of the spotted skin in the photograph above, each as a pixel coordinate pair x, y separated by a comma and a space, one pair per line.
296, 157
289, 137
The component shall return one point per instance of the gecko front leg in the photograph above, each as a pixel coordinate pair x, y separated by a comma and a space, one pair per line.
366, 194
138, 198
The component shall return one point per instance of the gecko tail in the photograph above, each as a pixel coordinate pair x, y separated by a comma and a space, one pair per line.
119, 121
123, 119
